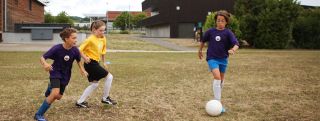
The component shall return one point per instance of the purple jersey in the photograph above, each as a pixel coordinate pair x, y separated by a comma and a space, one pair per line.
220, 41
62, 63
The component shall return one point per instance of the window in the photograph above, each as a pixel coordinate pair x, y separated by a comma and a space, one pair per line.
30, 5
16, 2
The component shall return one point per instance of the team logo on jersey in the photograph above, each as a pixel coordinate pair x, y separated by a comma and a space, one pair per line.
218, 38
66, 58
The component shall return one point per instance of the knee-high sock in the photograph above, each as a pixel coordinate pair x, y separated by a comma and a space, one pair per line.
88, 91
217, 89
43, 108
107, 85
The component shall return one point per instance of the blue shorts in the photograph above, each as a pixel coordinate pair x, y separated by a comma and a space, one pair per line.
218, 63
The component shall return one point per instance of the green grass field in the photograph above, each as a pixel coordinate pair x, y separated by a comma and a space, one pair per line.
260, 85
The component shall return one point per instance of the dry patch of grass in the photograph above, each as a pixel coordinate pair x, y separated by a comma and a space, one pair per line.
185, 42
126, 42
260, 85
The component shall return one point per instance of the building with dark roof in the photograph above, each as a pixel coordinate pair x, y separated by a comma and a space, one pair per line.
177, 18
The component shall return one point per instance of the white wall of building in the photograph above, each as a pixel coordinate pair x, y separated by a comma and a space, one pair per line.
82, 24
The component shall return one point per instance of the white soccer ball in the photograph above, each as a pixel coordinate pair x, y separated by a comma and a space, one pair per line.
214, 107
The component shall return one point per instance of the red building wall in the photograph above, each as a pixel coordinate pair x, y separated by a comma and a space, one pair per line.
1, 16
19, 12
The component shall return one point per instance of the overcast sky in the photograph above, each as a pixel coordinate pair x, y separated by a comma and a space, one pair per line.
81, 7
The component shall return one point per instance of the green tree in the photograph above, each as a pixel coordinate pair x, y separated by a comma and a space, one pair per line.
307, 28
233, 24
85, 19
267, 23
75, 18
48, 18
123, 21
137, 18
276, 24
246, 12
63, 17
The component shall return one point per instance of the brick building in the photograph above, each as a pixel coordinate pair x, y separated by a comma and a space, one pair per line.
20, 11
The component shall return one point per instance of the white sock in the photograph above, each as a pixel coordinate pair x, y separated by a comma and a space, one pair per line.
217, 89
107, 85
88, 91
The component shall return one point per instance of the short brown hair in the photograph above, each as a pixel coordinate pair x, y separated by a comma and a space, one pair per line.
97, 24
66, 33
223, 13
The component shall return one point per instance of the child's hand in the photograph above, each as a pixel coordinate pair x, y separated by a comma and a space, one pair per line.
231, 51
84, 73
47, 67
200, 55
86, 60
105, 66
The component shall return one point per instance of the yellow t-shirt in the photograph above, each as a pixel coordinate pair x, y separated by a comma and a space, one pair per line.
94, 47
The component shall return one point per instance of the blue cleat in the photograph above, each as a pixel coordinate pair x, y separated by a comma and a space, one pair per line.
39, 118
223, 110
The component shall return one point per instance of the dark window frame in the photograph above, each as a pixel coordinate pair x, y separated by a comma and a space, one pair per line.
30, 5
16, 2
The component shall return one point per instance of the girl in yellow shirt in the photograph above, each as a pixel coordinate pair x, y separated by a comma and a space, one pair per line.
93, 49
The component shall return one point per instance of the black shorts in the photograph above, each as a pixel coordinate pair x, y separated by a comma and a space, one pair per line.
55, 83
95, 71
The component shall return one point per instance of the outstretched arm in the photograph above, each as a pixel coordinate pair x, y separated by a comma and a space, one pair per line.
200, 55
233, 49
82, 70
45, 65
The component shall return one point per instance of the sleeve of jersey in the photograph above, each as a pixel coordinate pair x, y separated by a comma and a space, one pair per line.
50, 53
104, 48
84, 45
78, 56
233, 38
206, 36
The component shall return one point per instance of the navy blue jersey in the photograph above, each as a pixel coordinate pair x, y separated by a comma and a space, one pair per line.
220, 41
63, 60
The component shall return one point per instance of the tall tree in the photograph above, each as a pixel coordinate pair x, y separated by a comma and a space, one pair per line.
137, 18
247, 11
123, 21
48, 18
63, 17
307, 28
267, 23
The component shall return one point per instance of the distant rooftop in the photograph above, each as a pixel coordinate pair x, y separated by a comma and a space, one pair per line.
95, 15
114, 14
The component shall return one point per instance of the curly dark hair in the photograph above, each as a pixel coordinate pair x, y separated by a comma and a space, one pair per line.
66, 33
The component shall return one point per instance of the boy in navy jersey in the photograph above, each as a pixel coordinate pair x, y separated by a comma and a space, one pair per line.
63, 56
221, 43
